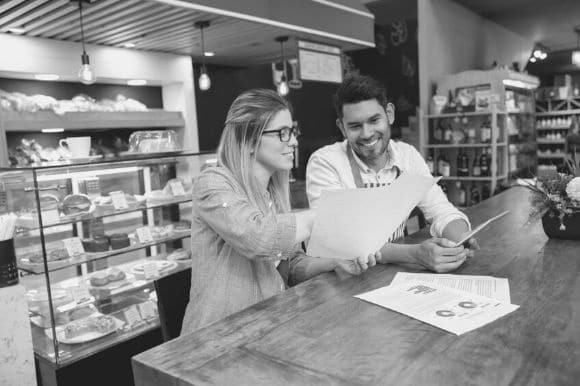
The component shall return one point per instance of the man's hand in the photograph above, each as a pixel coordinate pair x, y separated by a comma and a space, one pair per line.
439, 255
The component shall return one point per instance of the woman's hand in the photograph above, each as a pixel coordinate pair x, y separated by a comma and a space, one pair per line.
345, 268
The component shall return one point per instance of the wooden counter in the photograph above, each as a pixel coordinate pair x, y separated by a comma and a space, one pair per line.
318, 333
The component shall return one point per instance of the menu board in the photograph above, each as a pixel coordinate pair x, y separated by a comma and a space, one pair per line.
319, 62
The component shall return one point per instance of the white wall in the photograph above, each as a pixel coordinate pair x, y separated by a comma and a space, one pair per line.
22, 57
454, 39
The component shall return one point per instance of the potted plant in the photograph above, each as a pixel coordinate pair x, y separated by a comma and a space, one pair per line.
556, 200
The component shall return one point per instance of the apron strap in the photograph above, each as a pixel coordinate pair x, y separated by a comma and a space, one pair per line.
355, 169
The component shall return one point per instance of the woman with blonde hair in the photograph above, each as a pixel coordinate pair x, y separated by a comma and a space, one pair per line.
245, 240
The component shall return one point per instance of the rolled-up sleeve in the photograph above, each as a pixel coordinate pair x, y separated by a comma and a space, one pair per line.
240, 223
435, 206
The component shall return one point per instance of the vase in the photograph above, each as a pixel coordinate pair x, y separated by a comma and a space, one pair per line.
551, 224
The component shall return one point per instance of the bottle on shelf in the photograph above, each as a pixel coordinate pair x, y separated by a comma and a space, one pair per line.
474, 196
438, 133
431, 164
485, 192
485, 132
444, 166
451, 105
471, 134
448, 135
484, 163
462, 164
476, 170
461, 194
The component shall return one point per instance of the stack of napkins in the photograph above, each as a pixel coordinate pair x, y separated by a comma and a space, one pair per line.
454, 303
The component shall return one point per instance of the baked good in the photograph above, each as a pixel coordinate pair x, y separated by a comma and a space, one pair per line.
119, 240
96, 244
74, 204
52, 255
99, 323
99, 279
104, 277
179, 255
82, 312
115, 274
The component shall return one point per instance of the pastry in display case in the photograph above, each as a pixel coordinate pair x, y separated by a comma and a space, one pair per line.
91, 239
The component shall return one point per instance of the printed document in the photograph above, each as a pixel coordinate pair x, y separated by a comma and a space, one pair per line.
448, 309
351, 223
491, 287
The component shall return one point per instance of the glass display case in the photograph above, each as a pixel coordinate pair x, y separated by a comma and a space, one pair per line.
91, 239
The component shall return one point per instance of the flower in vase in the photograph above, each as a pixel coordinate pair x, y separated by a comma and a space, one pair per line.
573, 189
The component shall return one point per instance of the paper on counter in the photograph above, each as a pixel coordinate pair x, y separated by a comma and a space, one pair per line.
451, 310
488, 286
356, 222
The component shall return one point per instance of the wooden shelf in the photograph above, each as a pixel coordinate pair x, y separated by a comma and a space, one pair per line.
552, 128
462, 114
469, 178
551, 141
553, 155
23, 121
460, 145
558, 112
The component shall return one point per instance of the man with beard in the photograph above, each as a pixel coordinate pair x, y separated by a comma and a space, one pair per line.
367, 158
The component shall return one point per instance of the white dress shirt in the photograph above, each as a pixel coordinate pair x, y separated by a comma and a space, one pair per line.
329, 168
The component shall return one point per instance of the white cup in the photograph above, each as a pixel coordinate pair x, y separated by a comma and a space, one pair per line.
78, 147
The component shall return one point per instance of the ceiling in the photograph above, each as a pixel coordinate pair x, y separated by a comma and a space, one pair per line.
548, 22
161, 25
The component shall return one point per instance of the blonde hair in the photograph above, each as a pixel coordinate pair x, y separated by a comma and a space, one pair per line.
247, 118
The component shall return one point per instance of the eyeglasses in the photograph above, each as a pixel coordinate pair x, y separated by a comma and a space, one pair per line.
285, 133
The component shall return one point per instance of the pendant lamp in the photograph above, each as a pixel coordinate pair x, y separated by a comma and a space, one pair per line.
282, 87
204, 80
86, 74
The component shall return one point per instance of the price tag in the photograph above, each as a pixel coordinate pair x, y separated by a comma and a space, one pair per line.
50, 216
80, 294
119, 200
73, 246
150, 270
144, 235
132, 316
147, 310
177, 188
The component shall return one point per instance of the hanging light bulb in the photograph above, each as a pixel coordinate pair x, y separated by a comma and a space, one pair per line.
86, 74
282, 87
204, 80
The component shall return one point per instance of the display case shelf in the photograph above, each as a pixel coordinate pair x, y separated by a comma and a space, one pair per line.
98, 213
551, 128
28, 121
25, 265
558, 112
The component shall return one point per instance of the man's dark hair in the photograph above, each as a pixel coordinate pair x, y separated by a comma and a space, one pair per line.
357, 88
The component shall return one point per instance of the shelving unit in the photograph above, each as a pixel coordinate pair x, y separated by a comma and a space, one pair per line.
461, 123
26, 122
554, 119
138, 174
123, 301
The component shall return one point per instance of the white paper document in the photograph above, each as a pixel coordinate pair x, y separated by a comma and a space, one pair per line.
448, 309
356, 222
488, 286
